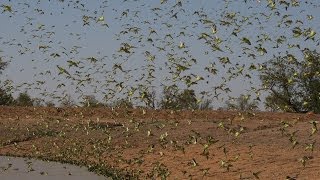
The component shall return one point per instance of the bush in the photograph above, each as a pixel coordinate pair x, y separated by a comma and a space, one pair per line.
24, 100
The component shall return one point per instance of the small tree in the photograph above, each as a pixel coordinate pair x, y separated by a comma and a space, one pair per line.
310, 81
67, 101
274, 104
3, 65
294, 85
242, 103
169, 98
37, 102
206, 104
90, 101
123, 103
24, 100
173, 99
6, 99
50, 104
187, 100
149, 98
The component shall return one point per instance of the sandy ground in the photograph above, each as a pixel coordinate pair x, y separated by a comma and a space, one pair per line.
154, 144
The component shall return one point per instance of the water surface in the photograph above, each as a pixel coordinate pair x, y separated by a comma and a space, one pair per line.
15, 168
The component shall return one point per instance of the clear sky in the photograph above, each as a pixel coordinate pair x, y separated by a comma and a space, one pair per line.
35, 32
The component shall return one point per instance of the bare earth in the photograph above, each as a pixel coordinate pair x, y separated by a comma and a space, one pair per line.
154, 144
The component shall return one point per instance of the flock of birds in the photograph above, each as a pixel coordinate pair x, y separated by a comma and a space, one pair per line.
161, 44
213, 47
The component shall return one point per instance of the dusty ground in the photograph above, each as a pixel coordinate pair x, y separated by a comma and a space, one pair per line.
151, 144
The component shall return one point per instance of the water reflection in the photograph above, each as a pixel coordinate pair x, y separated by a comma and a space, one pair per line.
12, 168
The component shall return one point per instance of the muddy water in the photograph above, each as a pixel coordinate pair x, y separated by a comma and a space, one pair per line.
12, 168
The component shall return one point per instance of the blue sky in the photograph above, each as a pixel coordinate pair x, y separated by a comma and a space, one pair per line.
61, 27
